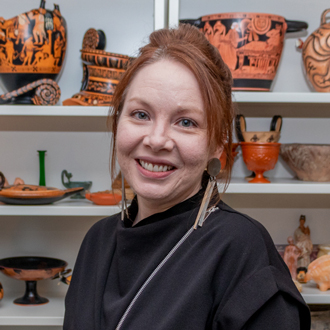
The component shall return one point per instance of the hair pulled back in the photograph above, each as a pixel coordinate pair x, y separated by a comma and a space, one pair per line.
187, 45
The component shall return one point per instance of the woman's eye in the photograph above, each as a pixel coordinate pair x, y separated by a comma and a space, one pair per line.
140, 115
187, 123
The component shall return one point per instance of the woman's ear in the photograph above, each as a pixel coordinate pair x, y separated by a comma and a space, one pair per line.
217, 152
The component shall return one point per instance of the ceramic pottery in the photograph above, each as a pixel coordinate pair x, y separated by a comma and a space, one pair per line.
273, 135
223, 157
101, 72
104, 198
31, 270
324, 249
32, 50
319, 272
260, 157
310, 162
250, 44
316, 56
24, 194
86, 185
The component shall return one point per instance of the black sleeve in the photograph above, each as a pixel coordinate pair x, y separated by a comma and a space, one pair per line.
266, 300
280, 312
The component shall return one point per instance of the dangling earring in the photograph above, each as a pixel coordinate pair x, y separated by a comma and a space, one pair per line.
213, 169
123, 199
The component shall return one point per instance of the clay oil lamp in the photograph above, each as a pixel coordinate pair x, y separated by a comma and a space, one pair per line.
31, 270
106, 197
250, 44
86, 185
309, 162
101, 72
316, 55
260, 157
32, 51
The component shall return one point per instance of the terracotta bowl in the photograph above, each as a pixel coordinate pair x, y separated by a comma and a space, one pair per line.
310, 162
31, 270
270, 136
260, 157
249, 43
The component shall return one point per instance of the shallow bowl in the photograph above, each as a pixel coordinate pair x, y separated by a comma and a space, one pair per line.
310, 162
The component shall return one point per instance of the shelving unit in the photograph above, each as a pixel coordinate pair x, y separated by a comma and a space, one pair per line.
50, 314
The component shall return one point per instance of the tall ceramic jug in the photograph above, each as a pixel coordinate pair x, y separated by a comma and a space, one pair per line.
316, 56
32, 50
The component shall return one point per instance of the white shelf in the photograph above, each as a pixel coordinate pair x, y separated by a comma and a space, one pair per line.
61, 208
312, 295
269, 97
278, 186
50, 314
34, 110
90, 111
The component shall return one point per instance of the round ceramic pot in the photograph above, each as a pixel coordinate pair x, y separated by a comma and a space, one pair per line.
101, 72
260, 157
32, 48
250, 44
310, 162
316, 56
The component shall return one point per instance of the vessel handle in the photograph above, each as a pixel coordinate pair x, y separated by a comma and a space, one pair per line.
276, 124
68, 176
296, 26
240, 126
2, 180
323, 16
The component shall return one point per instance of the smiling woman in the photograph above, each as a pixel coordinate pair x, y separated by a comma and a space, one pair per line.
154, 268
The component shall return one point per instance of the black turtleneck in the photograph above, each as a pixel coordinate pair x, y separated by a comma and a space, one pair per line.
226, 275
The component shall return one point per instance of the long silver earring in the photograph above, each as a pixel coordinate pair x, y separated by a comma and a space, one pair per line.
213, 169
123, 199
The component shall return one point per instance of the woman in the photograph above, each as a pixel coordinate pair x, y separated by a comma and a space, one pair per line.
152, 270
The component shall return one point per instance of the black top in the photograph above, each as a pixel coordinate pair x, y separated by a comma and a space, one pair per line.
225, 275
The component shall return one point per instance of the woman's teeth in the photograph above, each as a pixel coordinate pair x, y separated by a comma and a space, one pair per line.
155, 168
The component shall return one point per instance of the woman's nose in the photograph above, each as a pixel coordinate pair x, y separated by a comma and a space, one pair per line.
158, 139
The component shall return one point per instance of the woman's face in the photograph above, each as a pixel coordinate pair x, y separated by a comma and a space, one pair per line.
162, 145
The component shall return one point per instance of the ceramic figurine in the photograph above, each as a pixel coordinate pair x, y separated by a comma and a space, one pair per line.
101, 72
316, 55
319, 272
250, 44
32, 50
291, 254
303, 242
86, 185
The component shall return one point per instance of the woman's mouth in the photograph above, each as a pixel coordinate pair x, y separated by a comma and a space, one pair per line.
155, 167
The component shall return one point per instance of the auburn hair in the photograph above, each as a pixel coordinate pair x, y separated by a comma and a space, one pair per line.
186, 45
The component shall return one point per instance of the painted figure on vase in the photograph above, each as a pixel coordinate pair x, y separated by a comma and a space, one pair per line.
291, 255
